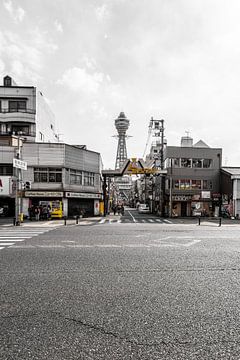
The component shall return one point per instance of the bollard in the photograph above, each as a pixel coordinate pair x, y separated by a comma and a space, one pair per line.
77, 218
65, 220
199, 221
14, 221
220, 221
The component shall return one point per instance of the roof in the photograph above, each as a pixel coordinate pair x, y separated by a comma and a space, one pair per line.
201, 144
231, 170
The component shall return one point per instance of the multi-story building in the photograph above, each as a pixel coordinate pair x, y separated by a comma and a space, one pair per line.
24, 110
230, 190
55, 171
193, 179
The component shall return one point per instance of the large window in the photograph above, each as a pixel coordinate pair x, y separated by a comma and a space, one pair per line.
75, 177
207, 163
186, 162
48, 175
24, 130
17, 105
88, 178
6, 170
196, 163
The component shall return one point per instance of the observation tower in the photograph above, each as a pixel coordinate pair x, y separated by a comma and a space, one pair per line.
122, 125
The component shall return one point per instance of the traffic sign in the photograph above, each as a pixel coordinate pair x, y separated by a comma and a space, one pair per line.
17, 163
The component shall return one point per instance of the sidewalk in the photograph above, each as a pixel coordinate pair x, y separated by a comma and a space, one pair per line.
61, 222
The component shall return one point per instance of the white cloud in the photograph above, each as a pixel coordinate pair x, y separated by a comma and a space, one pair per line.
102, 12
17, 13
78, 79
58, 26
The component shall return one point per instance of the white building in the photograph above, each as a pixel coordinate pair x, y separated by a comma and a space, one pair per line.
24, 110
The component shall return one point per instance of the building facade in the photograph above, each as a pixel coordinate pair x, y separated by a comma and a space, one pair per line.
230, 190
23, 110
192, 186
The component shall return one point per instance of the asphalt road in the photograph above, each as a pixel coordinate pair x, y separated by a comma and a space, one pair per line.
120, 291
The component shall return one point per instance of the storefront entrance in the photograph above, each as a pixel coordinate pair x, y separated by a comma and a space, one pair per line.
183, 209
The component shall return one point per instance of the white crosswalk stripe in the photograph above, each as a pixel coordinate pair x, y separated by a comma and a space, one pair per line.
130, 221
11, 236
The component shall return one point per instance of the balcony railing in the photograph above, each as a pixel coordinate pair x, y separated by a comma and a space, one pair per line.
25, 111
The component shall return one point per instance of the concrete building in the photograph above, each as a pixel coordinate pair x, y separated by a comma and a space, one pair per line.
24, 110
193, 179
230, 190
55, 172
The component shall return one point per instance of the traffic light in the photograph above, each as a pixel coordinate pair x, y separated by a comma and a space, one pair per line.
27, 185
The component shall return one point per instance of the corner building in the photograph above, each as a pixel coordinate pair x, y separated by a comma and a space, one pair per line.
192, 185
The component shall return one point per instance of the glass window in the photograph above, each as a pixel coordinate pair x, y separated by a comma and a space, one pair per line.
207, 163
17, 105
175, 162
184, 184
196, 184
176, 184
207, 184
75, 177
196, 163
48, 175
185, 162
88, 179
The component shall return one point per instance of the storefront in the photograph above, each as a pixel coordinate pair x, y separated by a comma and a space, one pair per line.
85, 204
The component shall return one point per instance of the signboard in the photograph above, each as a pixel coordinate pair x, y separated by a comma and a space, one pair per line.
5, 183
44, 194
206, 194
83, 195
17, 163
181, 197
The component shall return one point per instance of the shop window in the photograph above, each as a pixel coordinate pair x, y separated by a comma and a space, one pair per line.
207, 185
184, 184
196, 184
185, 162
197, 163
176, 184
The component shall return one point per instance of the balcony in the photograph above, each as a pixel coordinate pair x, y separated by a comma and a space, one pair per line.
17, 110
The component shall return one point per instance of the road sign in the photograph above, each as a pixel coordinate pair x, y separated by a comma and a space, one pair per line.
17, 163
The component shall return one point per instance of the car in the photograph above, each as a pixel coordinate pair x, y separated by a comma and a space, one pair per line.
143, 209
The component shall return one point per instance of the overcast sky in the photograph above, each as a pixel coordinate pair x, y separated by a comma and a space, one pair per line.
177, 60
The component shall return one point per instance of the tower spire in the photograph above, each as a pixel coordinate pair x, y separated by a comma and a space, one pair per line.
122, 125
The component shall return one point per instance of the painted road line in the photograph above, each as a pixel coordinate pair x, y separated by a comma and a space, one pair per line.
167, 221
151, 220
11, 239
15, 237
6, 243
102, 221
134, 220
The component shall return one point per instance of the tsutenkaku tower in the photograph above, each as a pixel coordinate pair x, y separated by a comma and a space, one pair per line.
122, 124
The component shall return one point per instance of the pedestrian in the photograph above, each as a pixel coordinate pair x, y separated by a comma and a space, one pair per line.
122, 209
37, 213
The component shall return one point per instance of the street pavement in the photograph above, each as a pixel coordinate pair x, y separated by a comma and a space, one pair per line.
120, 290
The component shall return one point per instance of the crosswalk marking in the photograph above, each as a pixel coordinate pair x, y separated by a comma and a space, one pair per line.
11, 236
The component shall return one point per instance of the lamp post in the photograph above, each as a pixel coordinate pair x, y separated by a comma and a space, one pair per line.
18, 175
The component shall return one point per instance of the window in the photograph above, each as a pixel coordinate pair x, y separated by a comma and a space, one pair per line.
197, 163
176, 184
23, 129
186, 163
184, 184
207, 163
48, 175
196, 184
207, 184
6, 170
88, 178
75, 177
17, 105
175, 162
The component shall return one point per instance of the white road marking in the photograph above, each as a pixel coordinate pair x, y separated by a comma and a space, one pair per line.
6, 243
134, 220
102, 221
151, 220
167, 221
15, 237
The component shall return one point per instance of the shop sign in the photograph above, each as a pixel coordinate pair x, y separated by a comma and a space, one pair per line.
43, 193
206, 194
181, 197
83, 195
5, 182
216, 196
